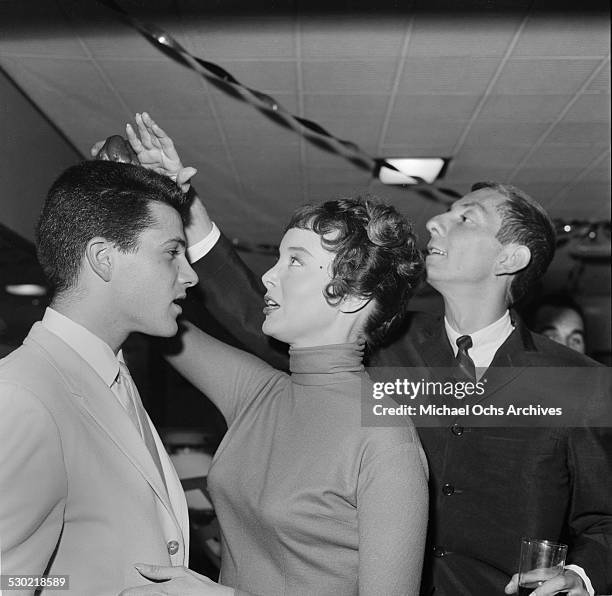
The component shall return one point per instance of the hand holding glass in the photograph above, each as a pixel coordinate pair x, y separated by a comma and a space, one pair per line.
540, 561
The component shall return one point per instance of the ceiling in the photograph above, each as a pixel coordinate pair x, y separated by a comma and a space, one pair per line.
513, 91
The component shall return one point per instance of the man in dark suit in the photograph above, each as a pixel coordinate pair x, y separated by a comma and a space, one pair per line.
489, 485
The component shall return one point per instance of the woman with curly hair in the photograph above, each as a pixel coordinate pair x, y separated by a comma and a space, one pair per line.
309, 501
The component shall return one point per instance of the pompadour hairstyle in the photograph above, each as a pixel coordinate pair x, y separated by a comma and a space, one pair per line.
98, 198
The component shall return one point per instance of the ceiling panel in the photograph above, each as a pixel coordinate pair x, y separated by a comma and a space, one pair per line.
36, 37
529, 175
545, 77
462, 35
506, 132
448, 107
471, 174
345, 37
578, 133
265, 38
447, 75
564, 35
358, 117
589, 108
523, 108
601, 82
149, 81
359, 77
511, 90
481, 154
410, 131
580, 156
546, 192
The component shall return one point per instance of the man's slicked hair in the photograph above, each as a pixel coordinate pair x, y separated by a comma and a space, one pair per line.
525, 222
98, 198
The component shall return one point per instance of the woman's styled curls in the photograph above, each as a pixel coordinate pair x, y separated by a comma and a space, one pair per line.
376, 257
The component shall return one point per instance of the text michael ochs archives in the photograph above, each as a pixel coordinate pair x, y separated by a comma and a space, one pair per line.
439, 397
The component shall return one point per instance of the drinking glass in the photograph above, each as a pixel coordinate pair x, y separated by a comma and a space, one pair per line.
540, 561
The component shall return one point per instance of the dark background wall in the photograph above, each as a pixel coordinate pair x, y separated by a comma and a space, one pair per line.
26, 132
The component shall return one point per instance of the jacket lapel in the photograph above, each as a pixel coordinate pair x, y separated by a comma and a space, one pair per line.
509, 362
98, 402
510, 359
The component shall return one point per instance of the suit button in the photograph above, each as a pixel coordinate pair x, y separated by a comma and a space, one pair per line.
448, 489
439, 551
457, 430
173, 547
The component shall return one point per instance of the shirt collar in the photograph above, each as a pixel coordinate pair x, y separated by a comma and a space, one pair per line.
95, 351
485, 341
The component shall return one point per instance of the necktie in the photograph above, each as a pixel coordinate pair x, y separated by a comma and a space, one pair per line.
465, 365
125, 389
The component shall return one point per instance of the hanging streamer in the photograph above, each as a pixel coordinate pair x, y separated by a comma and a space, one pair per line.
317, 135
271, 108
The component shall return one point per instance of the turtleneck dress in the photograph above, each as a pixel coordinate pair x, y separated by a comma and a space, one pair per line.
309, 501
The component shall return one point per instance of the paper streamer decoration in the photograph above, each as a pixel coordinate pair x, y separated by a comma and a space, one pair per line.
267, 105
317, 135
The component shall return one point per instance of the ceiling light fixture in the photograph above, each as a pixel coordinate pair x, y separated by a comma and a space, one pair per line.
413, 170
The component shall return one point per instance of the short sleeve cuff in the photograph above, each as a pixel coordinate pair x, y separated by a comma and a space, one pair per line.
204, 246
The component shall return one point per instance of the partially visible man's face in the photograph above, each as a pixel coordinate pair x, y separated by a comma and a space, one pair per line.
151, 280
463, 247
563, 325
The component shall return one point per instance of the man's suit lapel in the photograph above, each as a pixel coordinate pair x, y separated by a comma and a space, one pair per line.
98, 402
510, 359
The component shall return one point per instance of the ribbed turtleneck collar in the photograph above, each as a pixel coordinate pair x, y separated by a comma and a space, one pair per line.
320, 365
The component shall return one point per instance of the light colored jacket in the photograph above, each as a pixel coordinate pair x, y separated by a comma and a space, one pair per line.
79, 492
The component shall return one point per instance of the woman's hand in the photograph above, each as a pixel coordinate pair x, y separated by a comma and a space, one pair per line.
176, 581
156, 151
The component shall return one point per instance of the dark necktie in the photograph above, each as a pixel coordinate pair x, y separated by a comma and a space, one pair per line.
465, 365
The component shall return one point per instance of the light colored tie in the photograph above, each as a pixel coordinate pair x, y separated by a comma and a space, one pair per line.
125, 389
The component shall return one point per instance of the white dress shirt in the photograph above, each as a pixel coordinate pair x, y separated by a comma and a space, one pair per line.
204, 246
96, 352
485, 342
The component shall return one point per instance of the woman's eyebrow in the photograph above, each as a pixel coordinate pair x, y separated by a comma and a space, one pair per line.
299, 249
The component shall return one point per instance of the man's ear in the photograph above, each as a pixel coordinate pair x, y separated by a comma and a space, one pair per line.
512, 259
98, 253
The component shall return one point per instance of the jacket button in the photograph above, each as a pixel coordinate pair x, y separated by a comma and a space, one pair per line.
448, 489
173, 547
439, 551
457, 430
